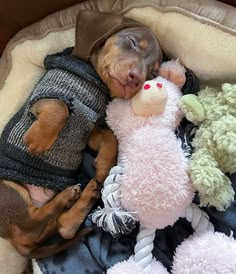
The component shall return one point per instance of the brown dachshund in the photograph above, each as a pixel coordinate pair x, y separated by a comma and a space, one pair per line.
124, 54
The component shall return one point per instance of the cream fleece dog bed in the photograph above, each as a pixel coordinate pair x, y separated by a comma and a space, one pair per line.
201, 33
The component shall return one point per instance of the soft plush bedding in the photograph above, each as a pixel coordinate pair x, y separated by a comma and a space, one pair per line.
202, 34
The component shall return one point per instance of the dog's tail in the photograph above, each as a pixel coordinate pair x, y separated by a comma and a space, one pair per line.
49, 250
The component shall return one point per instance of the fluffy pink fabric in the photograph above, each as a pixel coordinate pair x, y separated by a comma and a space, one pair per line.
130, 267
155, 184
213, 253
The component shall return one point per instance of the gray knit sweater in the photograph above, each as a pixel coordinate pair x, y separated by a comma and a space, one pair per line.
76, 83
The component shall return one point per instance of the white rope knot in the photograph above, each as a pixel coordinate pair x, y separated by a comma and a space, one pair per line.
113, 217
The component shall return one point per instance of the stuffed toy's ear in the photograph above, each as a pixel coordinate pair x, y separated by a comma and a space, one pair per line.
93, 28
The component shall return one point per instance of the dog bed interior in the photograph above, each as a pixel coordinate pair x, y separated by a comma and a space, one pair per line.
201, 34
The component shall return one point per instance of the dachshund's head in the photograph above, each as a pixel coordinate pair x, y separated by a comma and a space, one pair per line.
127, 59
124, 52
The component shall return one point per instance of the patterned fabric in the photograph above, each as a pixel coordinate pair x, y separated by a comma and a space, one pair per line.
76, 83
185, 133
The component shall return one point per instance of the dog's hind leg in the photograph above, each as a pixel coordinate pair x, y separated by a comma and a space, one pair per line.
25, 225
104, 141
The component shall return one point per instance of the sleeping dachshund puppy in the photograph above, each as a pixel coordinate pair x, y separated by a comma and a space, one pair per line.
40, 147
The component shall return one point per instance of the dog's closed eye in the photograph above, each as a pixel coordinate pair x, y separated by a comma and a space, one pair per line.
133, 42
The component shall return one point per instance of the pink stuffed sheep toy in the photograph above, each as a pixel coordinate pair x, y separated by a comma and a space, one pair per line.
155, 182
151, 182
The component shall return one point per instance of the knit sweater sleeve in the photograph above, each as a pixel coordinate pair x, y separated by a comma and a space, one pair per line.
54, 85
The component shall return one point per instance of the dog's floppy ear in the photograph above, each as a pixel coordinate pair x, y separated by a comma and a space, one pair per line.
93, 28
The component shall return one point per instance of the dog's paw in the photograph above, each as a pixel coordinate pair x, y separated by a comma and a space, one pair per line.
66, 232
38, 139
70, 195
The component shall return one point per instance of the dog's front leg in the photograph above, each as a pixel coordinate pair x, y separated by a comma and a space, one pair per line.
105, 142
51, 116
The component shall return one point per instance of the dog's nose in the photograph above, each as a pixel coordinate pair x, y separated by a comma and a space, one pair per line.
134, 78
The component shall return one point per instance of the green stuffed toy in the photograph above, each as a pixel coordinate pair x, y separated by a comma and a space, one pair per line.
214, 111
